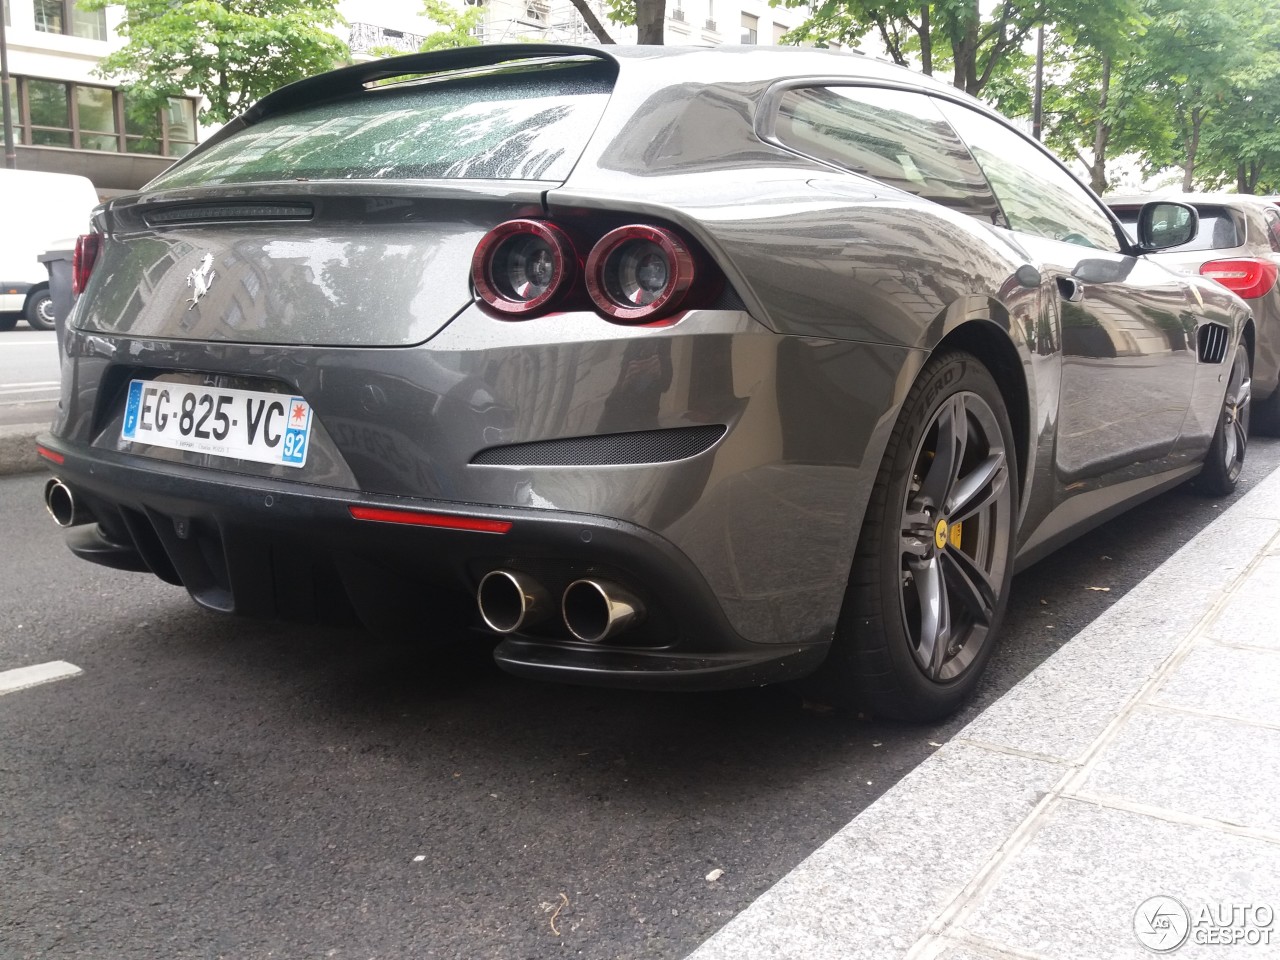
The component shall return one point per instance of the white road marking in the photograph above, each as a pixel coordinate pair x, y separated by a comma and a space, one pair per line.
30, 385
23, 677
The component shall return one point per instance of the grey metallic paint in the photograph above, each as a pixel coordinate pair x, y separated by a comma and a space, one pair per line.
848, 286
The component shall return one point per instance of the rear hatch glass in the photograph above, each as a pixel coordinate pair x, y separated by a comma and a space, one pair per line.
526, 123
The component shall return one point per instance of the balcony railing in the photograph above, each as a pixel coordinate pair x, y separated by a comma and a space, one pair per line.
709, 26
366, 36
677, 14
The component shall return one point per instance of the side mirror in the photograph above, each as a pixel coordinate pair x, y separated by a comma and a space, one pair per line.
1163, 224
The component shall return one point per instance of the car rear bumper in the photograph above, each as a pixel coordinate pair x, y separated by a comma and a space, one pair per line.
285, 550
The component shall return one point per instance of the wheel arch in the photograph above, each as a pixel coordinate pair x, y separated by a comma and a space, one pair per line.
992, 345
35, 291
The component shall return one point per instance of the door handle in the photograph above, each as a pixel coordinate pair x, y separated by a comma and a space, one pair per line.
1070, 289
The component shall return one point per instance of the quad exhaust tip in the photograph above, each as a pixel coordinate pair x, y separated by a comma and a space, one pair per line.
595, 610
509, 601
63, 506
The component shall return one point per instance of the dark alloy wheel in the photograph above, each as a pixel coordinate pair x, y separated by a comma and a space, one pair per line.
1225, 459
931, 574
39, 312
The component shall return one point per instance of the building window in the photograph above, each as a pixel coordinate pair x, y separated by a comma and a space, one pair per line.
48, 122
51, 113
95, 110
180, 126
779, 31
64, 16
749, 28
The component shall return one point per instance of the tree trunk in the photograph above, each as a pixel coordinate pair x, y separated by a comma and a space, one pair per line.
926, 42
592, 21
1101, 134
962, 31
1193, 144
651, 17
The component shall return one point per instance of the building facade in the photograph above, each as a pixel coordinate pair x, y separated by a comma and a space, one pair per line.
66, 119
398, 24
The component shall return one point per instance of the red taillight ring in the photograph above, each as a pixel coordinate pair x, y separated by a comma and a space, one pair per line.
490, 289
680, 273
82, 261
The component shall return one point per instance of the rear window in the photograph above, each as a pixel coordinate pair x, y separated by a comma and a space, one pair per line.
1219, 230
896, 137
525, 123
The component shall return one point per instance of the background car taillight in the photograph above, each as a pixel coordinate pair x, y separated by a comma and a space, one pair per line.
522, 266
82, 261
1247, 277
638, 273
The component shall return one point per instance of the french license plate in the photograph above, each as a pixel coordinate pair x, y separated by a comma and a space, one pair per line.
244, 424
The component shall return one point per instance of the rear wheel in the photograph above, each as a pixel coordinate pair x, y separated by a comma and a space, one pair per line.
1225, 459
931, 573
39, 312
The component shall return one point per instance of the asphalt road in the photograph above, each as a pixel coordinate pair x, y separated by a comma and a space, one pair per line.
28, 376
218, 788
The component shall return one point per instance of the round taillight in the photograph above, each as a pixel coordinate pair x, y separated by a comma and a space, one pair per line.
521, 266
639, 273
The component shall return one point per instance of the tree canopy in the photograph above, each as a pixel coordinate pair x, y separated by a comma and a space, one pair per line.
1193, 84
233, 53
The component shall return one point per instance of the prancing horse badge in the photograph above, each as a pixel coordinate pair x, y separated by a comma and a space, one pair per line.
201, 279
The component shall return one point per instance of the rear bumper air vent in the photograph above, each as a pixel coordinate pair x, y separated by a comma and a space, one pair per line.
643, 446
1211, 342
176, 215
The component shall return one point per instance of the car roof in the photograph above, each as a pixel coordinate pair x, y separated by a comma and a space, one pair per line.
1243, 201
651, 66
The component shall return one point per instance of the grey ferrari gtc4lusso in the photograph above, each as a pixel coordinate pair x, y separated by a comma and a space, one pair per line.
667, 368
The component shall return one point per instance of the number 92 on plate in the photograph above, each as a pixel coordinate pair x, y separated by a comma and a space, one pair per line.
239, 424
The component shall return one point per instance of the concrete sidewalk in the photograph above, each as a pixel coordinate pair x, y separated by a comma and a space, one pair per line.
1121, 801
18, 447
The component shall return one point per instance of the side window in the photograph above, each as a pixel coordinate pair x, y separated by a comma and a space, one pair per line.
899, 138
1273, 228
1038, 196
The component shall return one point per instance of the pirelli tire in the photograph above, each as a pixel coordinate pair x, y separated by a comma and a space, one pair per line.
930, 577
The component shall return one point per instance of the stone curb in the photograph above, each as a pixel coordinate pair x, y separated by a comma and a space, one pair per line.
888, 882
18, 448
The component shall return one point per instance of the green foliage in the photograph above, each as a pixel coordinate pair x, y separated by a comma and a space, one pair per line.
948, 35
459, 26
1193, 84
231, 52
621, 12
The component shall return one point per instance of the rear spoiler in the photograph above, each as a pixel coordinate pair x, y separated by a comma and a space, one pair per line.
348, 80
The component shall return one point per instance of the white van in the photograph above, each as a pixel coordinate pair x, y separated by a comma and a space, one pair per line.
38, 212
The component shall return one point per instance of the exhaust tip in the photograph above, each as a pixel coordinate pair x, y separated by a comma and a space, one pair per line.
595, 610
61, 503
510, 600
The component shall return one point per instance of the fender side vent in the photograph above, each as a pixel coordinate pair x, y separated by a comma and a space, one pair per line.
226, 212
1211, 342
643, 446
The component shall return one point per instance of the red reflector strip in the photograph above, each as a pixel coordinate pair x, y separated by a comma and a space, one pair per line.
443, 521
49, 454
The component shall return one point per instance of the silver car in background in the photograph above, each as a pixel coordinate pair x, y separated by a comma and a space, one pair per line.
1238, 246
